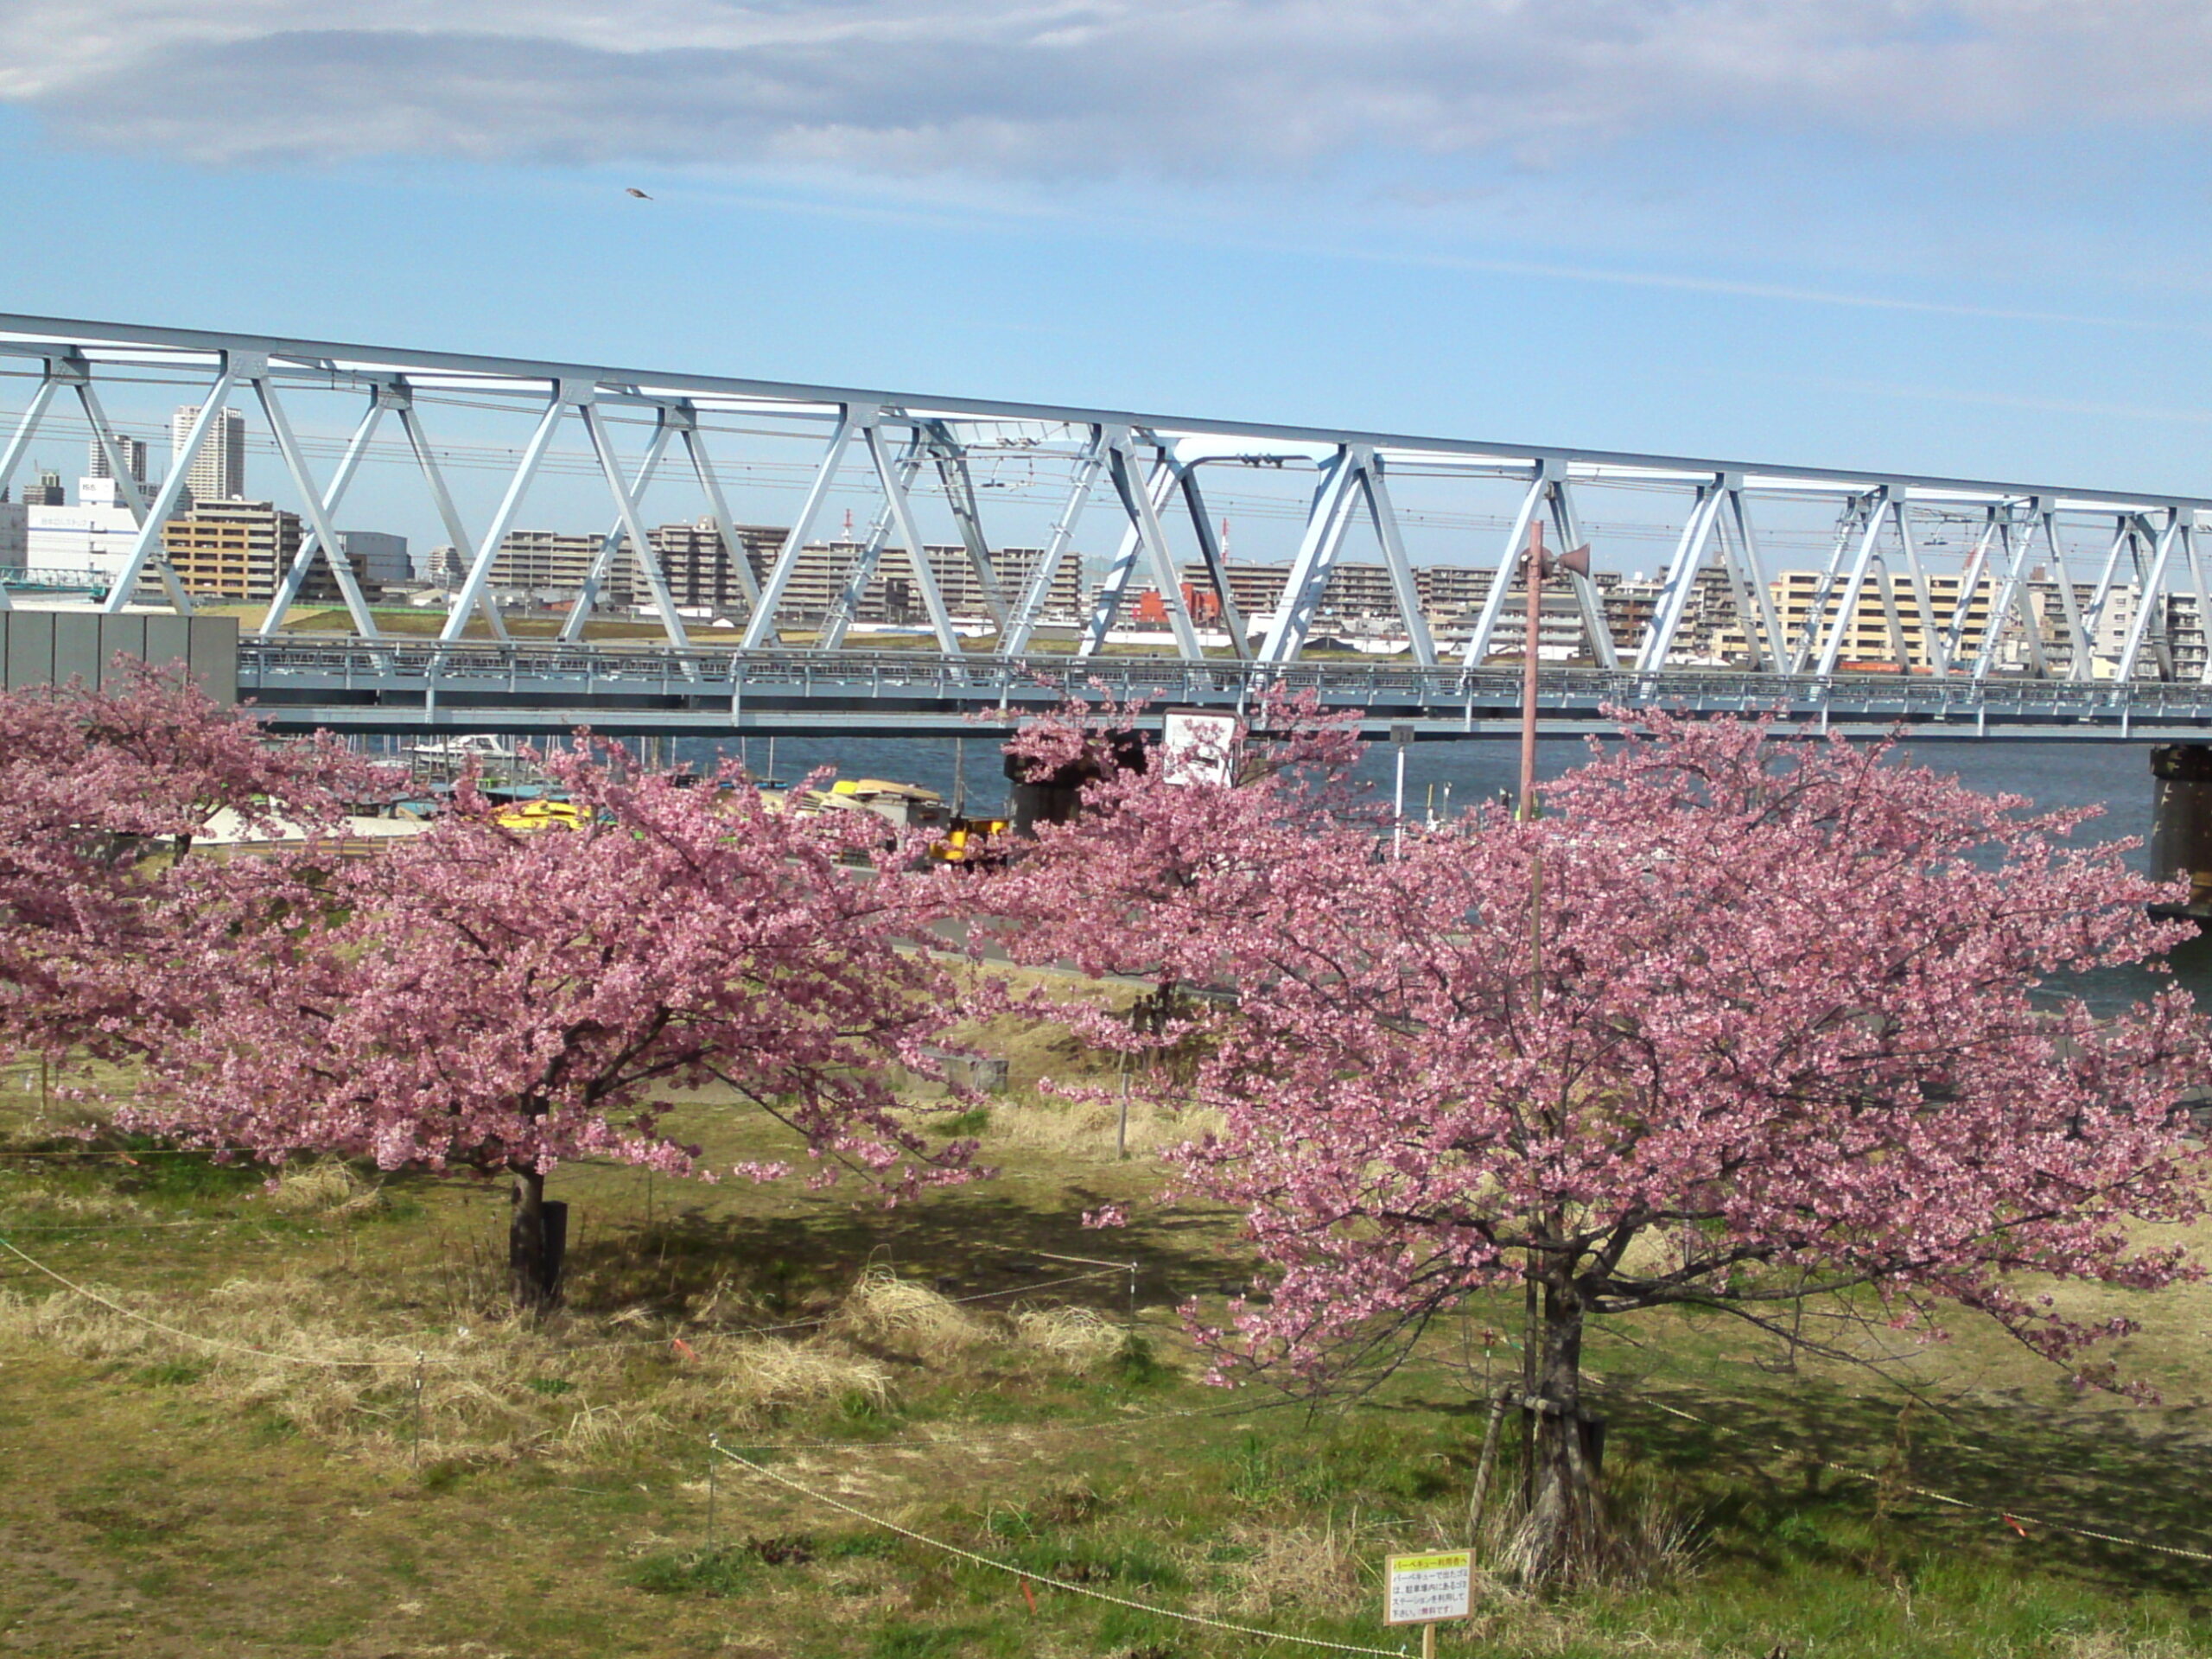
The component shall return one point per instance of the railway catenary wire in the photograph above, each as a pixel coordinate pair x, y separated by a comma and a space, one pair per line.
793, 477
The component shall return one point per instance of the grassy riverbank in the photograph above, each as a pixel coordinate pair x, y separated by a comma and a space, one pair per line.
305, 1427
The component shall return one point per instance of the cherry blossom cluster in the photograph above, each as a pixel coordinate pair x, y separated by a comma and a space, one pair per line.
101, 792
1738, 1019
481, 998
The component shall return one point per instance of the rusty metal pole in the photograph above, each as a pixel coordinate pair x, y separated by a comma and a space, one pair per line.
1533, 575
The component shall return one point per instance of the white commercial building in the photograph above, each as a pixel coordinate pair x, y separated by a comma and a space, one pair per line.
94, 535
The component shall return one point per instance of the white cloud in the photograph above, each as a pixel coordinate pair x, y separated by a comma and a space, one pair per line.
1046, 88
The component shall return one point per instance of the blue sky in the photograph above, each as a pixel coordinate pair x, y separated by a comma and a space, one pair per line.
1966, 239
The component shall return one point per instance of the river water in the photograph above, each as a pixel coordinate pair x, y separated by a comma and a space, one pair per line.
2114, 777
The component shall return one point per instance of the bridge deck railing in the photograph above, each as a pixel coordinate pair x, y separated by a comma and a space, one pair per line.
596, 670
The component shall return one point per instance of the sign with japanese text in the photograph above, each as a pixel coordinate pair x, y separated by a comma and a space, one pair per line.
1421, 1589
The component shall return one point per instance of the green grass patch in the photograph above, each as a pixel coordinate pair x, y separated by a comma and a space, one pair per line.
695, 1572
206, 1502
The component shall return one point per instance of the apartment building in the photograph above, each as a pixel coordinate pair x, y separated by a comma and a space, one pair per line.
894, 597
697, 564
1869, 639
45, 490
239, 551
552, 565
133, 451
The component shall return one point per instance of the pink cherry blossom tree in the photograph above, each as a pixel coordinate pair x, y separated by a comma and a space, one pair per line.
481, 999
1158, 878
102, 793
1739, 1022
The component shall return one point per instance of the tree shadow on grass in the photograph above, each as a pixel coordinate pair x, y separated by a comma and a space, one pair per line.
973, 1243
1781, 1469
1807, 1466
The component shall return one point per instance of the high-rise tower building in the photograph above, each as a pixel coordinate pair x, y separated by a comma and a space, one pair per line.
134, 457
218, 472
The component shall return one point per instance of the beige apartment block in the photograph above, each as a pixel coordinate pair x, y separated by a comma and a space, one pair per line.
1869, 639
553, 565
239, 549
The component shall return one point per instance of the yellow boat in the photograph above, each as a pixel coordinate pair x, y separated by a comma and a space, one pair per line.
529, 817
902, 803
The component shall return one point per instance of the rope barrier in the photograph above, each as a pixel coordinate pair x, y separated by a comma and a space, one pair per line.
830, 1318
1088, 1260
419, 1361
192, 1335
1028, 1577
1098, 1426
148, 1226
2016, 1517
75, 1155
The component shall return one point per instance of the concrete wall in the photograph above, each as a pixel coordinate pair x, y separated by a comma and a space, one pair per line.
53, 647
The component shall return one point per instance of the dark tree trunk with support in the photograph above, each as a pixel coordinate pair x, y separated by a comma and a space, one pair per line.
537, 1237
1561, 1535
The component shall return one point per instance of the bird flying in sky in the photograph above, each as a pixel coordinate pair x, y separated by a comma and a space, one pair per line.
632, 190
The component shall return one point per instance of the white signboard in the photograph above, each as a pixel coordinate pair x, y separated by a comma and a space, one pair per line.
1198, 748
1421, 1589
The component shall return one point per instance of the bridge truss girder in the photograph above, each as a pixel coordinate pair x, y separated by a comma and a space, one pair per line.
1145, 466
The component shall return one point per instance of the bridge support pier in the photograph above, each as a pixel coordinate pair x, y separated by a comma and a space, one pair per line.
2181, 824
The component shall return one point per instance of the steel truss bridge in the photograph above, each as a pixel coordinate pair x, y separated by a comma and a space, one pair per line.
2101, 659
536, 689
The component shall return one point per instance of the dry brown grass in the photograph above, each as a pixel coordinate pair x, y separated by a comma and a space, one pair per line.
1325, 1569
287, 1347
1076, 1337
883, 1310
1648, 1537
452, 1376
2108, 1644
1084, 1131
329, 1187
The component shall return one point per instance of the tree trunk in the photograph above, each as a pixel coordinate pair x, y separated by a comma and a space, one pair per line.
1561, 1534
537, 1237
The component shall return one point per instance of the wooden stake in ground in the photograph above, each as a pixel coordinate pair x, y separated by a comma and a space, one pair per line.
714, 1451
1485, 1465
